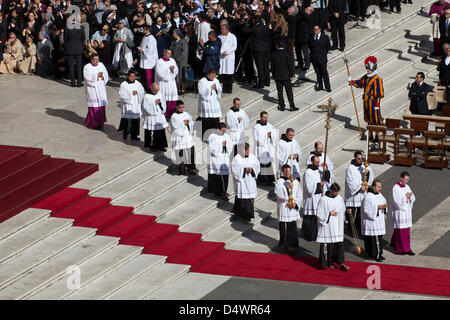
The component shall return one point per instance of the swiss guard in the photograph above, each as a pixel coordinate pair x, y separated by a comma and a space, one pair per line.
373, 92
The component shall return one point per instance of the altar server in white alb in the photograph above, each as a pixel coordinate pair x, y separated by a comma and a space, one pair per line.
131, 94
288, 213
265, 136
354, 189
373, 226
165, 74
237, 121
330, 233
401, 205
182, 126
95, 80
148, 58
227, 49
153, 120
220, 148
288, 149
318, 151
245, 170
208, 105
313, 185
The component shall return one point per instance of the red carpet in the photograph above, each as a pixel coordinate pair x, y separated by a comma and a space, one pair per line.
175, 244
303, 269
27, 176
151, 236
83, 208
105, 218
198, 253
128, 226
62, 199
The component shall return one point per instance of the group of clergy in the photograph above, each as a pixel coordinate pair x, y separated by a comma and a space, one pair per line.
324, 213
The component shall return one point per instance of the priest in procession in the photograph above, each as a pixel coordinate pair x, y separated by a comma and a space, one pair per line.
245, 168
289, 149
373, 226
182, 127
95, 80
318, 151
131, 93
401, 205
330, 234
313, 188
355, 189
287, 212
265, 136
220, 148
166, 72
237, 122
227, 49
148, 58
208, 106
153, 120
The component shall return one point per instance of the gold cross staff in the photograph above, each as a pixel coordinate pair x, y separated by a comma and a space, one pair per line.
328, 108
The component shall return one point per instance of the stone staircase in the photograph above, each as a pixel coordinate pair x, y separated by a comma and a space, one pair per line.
37, 249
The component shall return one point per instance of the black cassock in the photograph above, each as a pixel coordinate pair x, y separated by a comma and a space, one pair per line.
217, 184
330, 253
288, 234
373, 246
244, 208
309, 228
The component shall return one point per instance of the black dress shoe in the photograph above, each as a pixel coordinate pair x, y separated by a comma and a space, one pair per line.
333, 48
79, 85
281, 108
410, 253
135, 139
341, 49
318, 88
328, 90
163, 149
293, 109
72, 84
382, 258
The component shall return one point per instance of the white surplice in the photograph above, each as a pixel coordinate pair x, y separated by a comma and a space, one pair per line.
284, 150
310, 196
229, 45
265, 145
149, 54
208, 104
167, 79
373, 218
354, 178
219, 156
235, 127
245, 183
282, 191
182, 134
152, 113
95, 87
330, 167
330, 229
401, 207
131, 104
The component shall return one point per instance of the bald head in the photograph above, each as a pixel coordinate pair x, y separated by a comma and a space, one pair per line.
155, 88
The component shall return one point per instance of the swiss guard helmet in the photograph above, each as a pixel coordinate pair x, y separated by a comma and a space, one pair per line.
371, 63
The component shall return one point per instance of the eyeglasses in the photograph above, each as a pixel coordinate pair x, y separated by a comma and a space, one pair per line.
104, 29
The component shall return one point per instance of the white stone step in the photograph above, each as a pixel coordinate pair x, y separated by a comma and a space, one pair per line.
90, 270
150, 281
20, 241
198, 284
21, 221
41, 252
118, 277
54, 269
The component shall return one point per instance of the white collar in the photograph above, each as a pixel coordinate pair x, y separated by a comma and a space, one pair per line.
372, 74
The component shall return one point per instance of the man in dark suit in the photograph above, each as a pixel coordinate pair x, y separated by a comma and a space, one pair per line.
418, 95
319, 46
74, 48
337, 20
304, 30
444, 26
262, 42
282, 71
